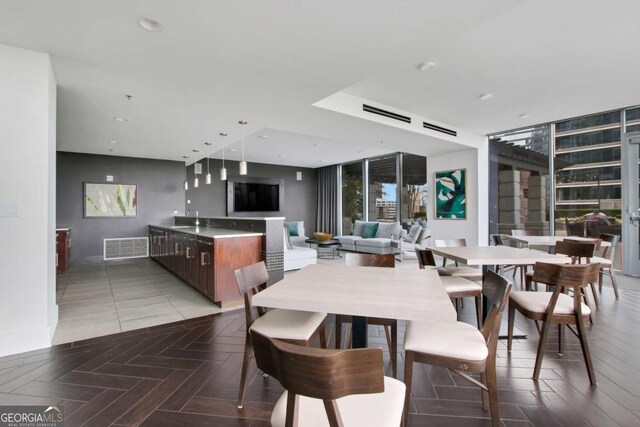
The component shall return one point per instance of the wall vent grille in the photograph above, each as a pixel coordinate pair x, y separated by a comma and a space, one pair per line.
381, 112
124, 248
439, 129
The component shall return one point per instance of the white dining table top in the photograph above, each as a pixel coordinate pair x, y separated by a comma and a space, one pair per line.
550, 240
498, 255
389, 293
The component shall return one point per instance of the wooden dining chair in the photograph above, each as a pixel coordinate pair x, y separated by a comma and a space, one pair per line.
390, 325
458, 271
606, 260
503, 240
587, 258
298, 327
456, 287
556, 307
329, 387
461, 347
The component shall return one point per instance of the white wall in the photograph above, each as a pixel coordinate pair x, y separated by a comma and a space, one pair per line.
28, 313
475, 228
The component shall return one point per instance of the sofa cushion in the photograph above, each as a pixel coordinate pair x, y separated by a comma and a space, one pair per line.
298, 252
348, 240
358, 227
370, 230
414, 233
294, 228
376, 242
389, 230
287, 238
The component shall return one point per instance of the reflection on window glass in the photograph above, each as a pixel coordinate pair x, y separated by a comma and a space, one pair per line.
603, 119
414, 187
605, 136
383, 187
609, 154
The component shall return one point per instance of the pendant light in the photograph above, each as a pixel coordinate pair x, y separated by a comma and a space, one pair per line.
197, 170
207, 179
186, 172
243, 163
223, 170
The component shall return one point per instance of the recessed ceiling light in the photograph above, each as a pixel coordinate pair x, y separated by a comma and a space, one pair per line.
233, 149
151, 24
524, 115
195, 151
185, 157
426, 66
207, 143
120, 119
113, 141
485, 96
263, 136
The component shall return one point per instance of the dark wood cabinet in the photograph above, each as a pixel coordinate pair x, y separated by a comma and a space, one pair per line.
207, 264
63, 249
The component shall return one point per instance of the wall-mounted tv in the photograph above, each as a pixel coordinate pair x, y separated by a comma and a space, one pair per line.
254, 196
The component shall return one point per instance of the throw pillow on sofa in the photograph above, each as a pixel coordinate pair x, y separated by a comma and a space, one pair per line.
292, 227
370, 230
388, 230
287, 239
414, 232
358, 227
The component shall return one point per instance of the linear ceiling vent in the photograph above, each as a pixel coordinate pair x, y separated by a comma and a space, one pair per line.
128, 247
378, 111
439, 129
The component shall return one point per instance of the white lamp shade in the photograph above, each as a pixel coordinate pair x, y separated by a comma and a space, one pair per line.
299, 176
186, 184
195, 182
207, 178
243, 168
223, 174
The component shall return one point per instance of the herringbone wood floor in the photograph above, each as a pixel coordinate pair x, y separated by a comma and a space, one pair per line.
187, 374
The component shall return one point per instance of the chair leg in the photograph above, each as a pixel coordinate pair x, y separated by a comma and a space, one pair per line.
387, 335
338, 332
512, 315
596, 300
600, 277
323, 336
560, 338
485, 393
393, 350
613, 281
527, 283
245, 369
585, 350
492, 385
543, 340
586, 301
408, 379
479, 310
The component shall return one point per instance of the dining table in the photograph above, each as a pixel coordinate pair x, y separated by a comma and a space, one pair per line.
390, 293
490, 257
550, 241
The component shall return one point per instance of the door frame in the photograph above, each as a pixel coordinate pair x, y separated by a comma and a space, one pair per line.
630, 203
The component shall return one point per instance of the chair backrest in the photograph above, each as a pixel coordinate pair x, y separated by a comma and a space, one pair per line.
524, 232
251, 280
576, 250
370, 260
566, 275
425, 258
496, 239
597, 242
449, 243
319, 373
495, 289
609, 252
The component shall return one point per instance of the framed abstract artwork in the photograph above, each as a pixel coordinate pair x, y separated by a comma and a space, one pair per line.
450, 194
110, 200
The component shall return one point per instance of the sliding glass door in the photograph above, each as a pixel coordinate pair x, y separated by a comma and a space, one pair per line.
631, 190
352, 195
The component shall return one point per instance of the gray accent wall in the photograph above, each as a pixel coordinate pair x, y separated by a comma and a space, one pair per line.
299, 196
160, 191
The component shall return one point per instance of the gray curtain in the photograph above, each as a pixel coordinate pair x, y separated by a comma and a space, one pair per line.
327, 198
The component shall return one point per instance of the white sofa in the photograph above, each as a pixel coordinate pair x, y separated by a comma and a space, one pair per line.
300, 254
387, 233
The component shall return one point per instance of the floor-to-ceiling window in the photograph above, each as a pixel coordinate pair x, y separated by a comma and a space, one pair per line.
352, 195
383, 189
414, 187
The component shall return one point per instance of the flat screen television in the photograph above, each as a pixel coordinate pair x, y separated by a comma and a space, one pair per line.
254, 196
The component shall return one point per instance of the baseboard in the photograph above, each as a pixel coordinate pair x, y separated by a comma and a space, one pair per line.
24, 340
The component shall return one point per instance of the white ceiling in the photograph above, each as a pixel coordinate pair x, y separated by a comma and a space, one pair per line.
268, 62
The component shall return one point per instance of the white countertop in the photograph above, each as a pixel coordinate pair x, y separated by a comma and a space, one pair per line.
211, 233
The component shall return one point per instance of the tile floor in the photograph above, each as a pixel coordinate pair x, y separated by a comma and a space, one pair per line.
105, 298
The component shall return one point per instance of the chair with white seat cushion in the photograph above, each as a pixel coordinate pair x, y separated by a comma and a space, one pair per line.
556, 307
606, 261
466, 272
293, 326
461, 347
329, 387
456, 287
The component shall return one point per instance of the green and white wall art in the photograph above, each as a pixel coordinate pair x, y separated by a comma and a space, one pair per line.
110, 200
450, 194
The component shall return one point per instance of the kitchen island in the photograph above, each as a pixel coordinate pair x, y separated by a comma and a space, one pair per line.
206, 257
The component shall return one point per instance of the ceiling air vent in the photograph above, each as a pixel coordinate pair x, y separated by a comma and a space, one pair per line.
439, 129
380, 112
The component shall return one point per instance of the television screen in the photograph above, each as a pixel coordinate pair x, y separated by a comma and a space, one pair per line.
255, 197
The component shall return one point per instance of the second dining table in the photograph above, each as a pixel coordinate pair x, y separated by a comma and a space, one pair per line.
362, 292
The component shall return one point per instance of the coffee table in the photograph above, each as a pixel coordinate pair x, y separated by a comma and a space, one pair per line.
327, 249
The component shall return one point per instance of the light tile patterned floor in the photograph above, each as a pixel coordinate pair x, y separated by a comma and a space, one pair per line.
106, 298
